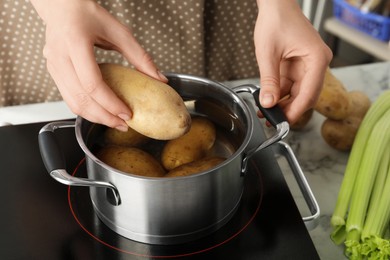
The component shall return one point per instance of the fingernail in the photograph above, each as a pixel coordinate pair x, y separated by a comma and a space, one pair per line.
162, 76
124, 117
122, 128
267, 100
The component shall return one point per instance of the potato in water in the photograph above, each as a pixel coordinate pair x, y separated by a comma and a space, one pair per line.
192, 146
158, 110
195, 167
131, 160
113, 136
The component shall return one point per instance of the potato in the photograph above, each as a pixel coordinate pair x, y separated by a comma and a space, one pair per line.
360, 103
302, 121
195, 167
334, 101
340, 134
131, 160
158, 110
131, 138
190, 147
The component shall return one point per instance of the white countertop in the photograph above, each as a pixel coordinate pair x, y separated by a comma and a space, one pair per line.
42, 112
322, 165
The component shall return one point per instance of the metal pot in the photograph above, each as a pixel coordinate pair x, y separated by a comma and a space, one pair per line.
172, 210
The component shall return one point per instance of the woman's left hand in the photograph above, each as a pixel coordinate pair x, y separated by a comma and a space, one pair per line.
292, 57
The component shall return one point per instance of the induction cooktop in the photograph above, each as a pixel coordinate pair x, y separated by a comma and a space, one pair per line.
43, 219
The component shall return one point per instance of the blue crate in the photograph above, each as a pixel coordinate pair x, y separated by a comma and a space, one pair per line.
375, 25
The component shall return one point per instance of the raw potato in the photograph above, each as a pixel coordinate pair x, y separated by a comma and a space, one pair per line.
195, 167
334, 101
340, 134
360, 103
158, 110
113, 136
302, 121
190, 147
131, 160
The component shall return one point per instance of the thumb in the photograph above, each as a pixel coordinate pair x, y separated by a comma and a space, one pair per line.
270, 84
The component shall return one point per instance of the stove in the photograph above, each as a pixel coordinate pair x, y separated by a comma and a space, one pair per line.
43, 219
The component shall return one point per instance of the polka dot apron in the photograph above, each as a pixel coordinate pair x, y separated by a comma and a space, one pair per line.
209, 38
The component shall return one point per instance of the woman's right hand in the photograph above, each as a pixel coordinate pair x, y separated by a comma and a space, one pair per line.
73, 28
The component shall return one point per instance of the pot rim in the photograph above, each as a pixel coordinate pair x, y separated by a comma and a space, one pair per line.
239, 151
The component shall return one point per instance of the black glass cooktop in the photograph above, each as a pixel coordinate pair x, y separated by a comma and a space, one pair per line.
43, 219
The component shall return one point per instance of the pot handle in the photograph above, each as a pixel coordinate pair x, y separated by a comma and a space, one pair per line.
274, 115
285, 150
54, 161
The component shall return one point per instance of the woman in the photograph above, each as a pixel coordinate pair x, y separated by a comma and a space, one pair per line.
207, 38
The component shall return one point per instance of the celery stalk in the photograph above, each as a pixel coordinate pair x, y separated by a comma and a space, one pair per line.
375, 245
379, 210
375, 112
339, 234
377, 142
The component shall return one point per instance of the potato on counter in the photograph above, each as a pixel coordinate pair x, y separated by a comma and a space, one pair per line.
131, 138
340, 134
158, 110
302, 121
131, 160
190, 147
195, 167
360, 103
334, 101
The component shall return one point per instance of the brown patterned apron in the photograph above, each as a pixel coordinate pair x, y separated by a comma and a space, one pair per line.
210, 38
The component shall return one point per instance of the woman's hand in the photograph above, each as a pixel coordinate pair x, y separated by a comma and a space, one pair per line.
73, 28
292, 57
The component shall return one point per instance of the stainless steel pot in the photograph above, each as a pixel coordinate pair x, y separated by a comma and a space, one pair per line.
171, 210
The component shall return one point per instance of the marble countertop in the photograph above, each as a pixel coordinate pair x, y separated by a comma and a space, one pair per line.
322, 165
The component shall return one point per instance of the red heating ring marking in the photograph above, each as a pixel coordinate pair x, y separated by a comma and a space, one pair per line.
157, 256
